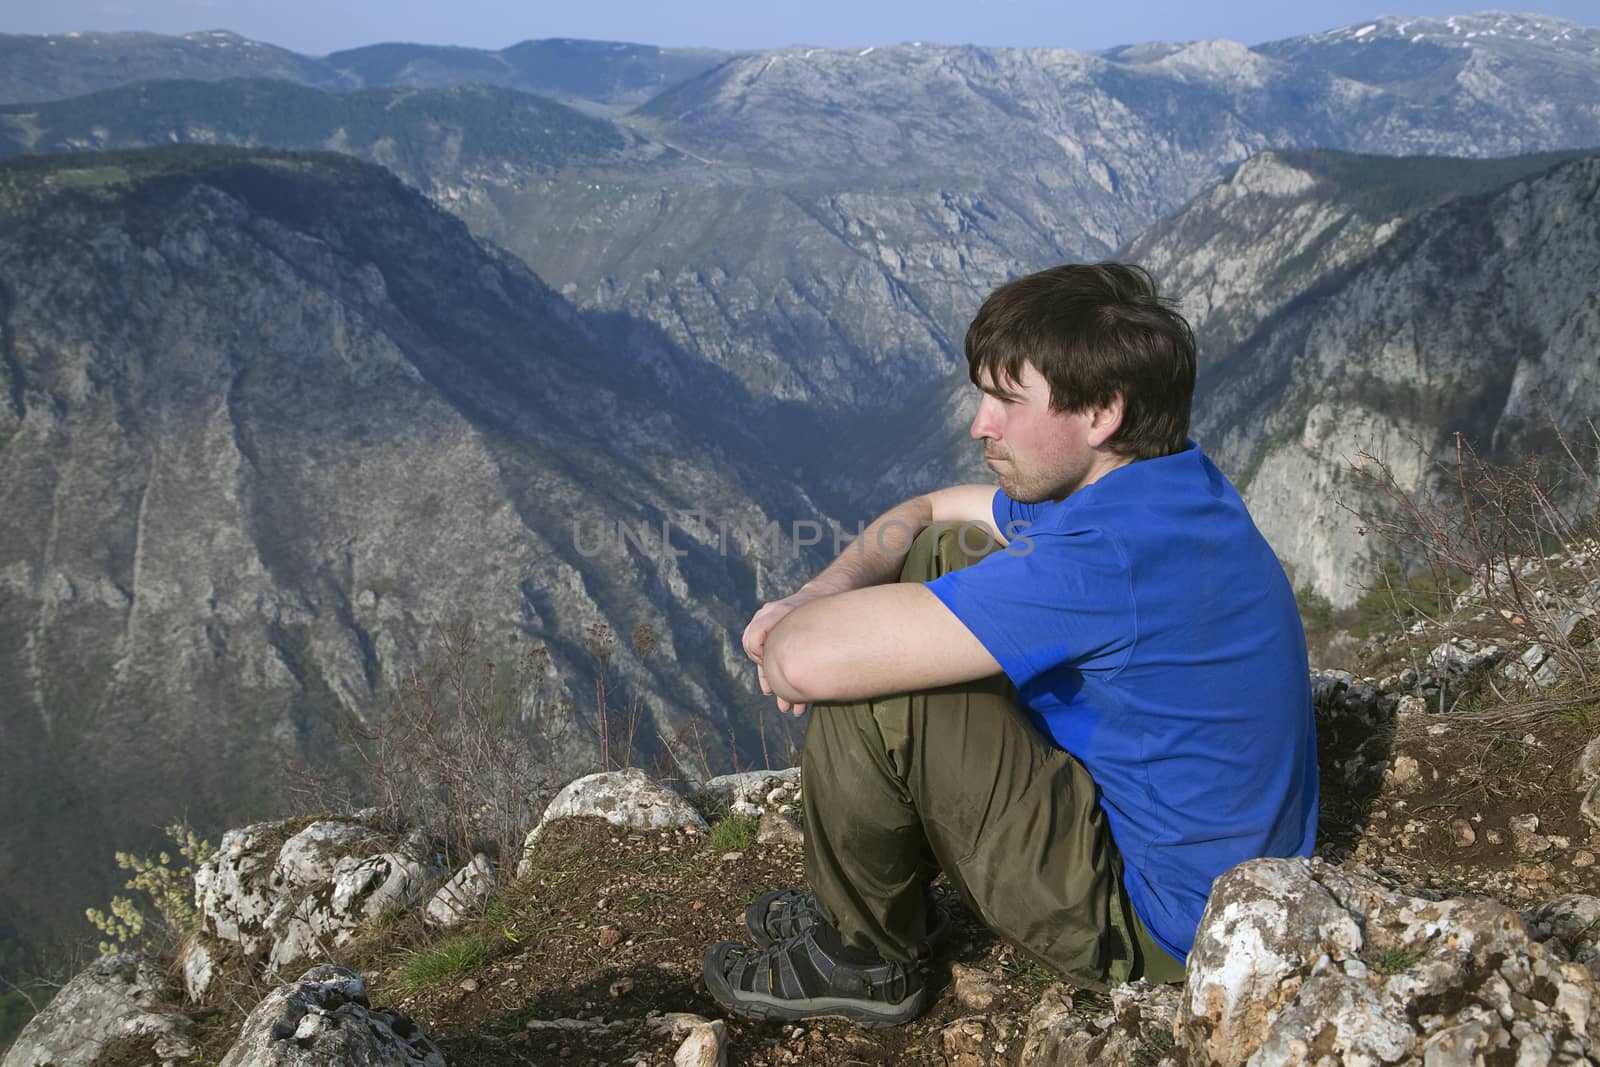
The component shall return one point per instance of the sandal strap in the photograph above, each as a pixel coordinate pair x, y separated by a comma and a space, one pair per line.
776, 971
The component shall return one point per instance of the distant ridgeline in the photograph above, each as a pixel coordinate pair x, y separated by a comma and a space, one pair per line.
269, 418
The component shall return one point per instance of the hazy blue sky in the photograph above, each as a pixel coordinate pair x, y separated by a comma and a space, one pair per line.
319, 26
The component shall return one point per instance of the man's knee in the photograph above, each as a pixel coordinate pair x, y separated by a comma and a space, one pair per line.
944, 547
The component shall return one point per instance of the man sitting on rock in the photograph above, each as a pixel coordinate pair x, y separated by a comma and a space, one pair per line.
1085, 697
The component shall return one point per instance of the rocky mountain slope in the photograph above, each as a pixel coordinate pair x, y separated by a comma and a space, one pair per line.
1284, 223
1466, 317
268, 421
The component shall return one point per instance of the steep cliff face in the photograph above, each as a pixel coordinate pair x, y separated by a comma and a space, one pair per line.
265, 422
1285, 223
1468, 318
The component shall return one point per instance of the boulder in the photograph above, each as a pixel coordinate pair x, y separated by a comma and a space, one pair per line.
284, 896
1298, 962
1536, 668
462, 895
1456, 658
627, 798
324, 1020
118, 1009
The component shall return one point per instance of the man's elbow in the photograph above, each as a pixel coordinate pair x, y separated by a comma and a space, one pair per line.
788, 674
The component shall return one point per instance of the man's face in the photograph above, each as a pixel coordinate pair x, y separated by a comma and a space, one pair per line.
1036, 453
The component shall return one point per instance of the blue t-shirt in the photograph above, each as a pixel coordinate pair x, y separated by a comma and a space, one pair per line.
1150, 631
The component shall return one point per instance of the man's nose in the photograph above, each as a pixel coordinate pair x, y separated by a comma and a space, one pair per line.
983, 424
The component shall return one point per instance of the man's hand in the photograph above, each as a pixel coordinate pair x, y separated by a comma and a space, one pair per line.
755, 639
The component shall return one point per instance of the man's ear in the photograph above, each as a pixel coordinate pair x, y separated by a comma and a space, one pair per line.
1105, 421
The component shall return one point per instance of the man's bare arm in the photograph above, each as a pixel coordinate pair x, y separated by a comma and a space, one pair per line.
875, 558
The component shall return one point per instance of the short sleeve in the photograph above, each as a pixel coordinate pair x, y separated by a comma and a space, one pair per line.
1011, 516
1046, 600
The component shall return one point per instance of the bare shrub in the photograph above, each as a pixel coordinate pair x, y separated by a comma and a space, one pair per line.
452, 755
617, 734
1491, 537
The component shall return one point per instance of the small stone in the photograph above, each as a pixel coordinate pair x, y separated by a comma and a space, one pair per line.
706, 1046
731, 857
608, 937
621, 987
1583, 858
776, 829
1494, 837
1463, 833
1406, 770
964, 1037
469, 985
975, 988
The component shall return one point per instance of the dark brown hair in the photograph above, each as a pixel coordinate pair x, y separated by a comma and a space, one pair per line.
1093, 333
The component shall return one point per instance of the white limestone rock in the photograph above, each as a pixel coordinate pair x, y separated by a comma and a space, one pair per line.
462, 895
1586, 768
284, 898
748, 792
324, 1020
627, 798
197, 963
1297, 962
706, 1046
311, 855
115, 1003
1536, 668
360, 892
233, 889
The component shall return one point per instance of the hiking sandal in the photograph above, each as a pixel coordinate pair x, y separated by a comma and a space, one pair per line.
784, 913
798, 979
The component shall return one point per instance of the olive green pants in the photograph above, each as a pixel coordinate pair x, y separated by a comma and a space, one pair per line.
958, 780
